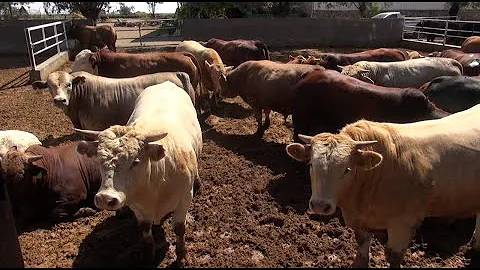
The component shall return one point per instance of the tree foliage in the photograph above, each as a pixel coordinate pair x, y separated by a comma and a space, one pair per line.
90, 10
125, 10
152, 6
366, 9
10, 9
455, 7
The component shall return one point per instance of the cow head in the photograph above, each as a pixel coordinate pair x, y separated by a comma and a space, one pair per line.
82, 62
125, 154
217, 73
16, 165
333, 161
357, 71
60, 84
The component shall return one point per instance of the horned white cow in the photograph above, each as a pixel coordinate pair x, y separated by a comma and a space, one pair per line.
408, 73
21, 139
96, 102
212, 67
151, 163
82, 62
392, 176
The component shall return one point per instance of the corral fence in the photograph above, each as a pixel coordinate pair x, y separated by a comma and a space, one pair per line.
439, 30
144, 31
53, 35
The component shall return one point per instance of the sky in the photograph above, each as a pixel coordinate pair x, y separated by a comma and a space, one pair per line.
166, 7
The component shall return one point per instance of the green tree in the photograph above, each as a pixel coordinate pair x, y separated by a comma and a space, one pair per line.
152, 6
366, 9
455, 7
10, 9
90, 10
125, 10
212, 10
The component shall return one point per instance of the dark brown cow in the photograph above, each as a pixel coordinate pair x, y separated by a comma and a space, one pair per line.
124, 65
470, 61
235, 52
50, 183
334, 60
471, 45
265, 85
89, 36
326, 100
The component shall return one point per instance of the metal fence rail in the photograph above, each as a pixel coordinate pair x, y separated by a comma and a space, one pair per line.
451, 32
59, 39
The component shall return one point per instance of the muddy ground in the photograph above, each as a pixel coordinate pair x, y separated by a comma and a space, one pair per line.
251, 212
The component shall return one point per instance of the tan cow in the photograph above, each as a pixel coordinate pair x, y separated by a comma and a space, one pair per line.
151, 163
392, 176
212, 67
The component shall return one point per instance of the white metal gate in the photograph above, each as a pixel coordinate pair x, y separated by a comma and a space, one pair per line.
59, 36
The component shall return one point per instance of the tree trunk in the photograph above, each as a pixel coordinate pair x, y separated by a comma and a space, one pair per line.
10, 9
453, 11
362, 8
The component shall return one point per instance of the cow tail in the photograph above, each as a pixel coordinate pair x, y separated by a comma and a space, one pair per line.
201, 98
264, 49
187, 85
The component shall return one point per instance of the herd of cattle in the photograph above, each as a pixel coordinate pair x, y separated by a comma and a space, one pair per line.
390, 136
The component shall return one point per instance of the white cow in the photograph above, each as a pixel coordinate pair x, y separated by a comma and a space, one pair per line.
391, 176
18, 138
151, 163
82, 63
409, 73
212, 67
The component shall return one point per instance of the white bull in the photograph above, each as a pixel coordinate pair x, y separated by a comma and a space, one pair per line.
151, 163
409, 73
392, 176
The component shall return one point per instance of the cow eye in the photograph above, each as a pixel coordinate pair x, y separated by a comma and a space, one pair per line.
69, 84
136, 161
347, 170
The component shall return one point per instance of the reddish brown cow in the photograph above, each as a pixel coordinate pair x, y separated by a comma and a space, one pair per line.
326, 100
334, 60
125, 65
89, 36
470, 61
471, 45
235, 52
53, 183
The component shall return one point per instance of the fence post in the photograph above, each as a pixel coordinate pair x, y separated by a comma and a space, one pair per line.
65, 35
29, 47
56, 38
140, 34
445, 33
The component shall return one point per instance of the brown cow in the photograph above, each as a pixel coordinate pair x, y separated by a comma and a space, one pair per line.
334, 60
89, 36
471, 45
265, 85
235, 52
326, 100
50, 182
125, 65
470, 61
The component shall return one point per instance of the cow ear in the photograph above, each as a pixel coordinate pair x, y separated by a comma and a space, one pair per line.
78, 80
93, 60
208, 65
299, 152
290, 57
31, 159
228, 68
88, 148
367, 160
39, 85
155, 151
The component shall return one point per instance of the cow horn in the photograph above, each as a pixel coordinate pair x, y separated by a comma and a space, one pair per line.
33, 158
363, 70
306, 139
359, 144
92, 134
368, 78
341, 67
155, 137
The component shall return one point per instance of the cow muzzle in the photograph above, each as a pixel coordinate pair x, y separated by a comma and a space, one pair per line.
109, 200
60, 101
321, 207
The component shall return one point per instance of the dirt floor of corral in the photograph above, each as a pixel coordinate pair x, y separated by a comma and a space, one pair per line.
251, 212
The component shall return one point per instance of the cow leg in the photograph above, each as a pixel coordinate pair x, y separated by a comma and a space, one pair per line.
147, 240
399, 237
363, 240
475, 241
179, 217
258, 116
267, 119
